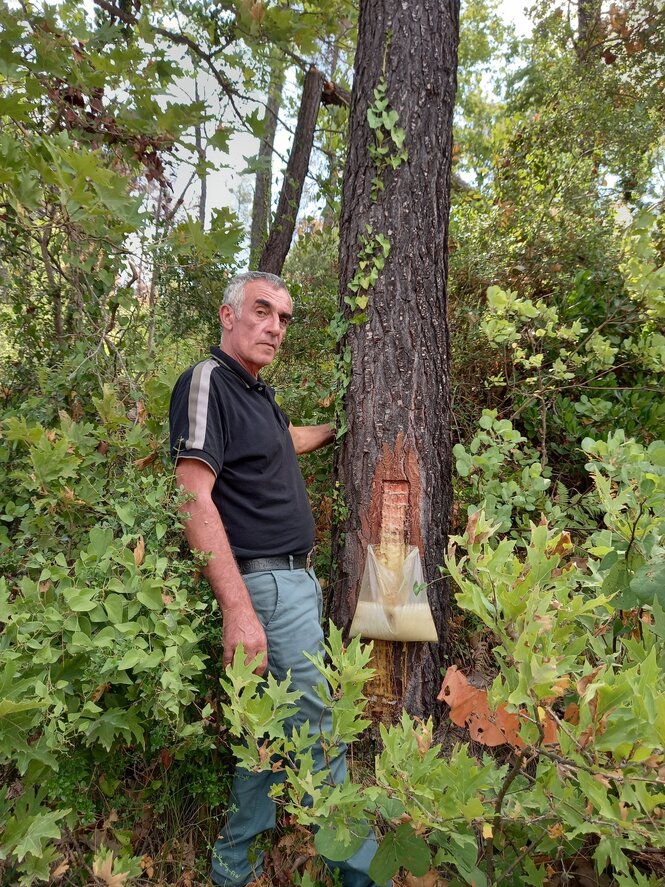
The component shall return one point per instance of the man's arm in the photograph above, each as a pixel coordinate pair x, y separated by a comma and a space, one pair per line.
307, 438
205, 532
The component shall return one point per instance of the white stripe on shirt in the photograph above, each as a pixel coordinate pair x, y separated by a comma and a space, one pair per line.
197, 405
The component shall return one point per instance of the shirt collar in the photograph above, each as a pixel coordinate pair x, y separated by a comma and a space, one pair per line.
237, 369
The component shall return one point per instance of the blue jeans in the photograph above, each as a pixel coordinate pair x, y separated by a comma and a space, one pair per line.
288, 604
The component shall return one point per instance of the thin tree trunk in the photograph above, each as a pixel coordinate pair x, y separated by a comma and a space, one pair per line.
398, 443
203, 177
262, 187
53, 286
152, 291
329, 214
279, 240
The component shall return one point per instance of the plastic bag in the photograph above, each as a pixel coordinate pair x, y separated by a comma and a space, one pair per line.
388, 609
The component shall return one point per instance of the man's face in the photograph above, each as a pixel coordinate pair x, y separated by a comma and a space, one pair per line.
254, 338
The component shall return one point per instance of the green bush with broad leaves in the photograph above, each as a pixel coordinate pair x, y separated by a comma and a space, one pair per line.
105, 657
579, 638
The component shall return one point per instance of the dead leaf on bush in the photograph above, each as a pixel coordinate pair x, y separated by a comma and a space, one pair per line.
572, 713
469, 708
139, 551
145, 460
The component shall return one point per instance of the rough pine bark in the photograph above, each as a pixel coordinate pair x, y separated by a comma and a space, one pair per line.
398, 398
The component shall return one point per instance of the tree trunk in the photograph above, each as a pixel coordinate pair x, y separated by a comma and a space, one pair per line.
589, 36
203, 176
398, 443
279, 240
262, 186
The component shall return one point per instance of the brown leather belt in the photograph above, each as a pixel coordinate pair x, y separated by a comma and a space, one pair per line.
284, 562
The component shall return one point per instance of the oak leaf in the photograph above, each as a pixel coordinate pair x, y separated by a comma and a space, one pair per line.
103, 870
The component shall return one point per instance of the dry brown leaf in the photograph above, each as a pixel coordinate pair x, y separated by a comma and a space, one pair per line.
148, 865
563, 545
146, 460
469, 708
423, 737
559, 687
103, 869
99, 692
167, 599
264, 754
471, 527
497, 729
572, 713
258, 11
139, 551
584, 682
556, 831
60, 869
431, 879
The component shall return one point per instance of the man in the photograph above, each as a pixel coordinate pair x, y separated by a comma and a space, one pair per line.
235, 451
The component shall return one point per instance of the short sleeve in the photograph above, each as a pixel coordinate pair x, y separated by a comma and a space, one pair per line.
196, 417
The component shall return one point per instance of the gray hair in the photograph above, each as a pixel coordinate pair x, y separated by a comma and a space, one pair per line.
234, 294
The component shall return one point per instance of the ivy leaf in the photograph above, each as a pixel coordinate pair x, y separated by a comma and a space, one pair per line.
373, 119
402, 848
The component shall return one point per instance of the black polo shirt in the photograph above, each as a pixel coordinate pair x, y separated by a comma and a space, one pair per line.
222, 415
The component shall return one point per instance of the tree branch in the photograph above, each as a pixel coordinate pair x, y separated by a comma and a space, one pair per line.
182, 40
